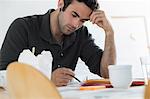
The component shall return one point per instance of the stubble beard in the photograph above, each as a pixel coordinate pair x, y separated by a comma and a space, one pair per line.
62, 27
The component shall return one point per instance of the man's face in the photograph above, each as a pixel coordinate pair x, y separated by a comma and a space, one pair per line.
73, 17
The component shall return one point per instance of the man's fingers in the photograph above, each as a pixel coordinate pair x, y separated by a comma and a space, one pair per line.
97, 16
97, 12
59, 84
96, 19
67, 71
61, 76
63, 81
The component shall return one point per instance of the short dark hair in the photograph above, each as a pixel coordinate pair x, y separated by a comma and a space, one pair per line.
92, 4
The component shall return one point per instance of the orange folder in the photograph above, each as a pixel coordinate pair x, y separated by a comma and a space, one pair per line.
106, 83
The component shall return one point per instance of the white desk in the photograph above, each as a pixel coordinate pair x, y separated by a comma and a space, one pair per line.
109, 93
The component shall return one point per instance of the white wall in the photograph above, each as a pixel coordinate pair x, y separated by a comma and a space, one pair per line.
12, 9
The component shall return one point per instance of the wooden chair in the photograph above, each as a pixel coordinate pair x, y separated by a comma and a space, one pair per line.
25, 82
147, 91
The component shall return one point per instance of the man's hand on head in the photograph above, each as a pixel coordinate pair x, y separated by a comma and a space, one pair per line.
61, 76
98, 17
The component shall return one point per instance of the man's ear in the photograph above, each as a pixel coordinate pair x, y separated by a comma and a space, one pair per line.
60, 3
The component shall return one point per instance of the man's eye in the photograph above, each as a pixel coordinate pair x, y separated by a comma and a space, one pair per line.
74, 15
82, 21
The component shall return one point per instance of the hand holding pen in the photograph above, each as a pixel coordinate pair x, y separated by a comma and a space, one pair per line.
76, 78
62, 76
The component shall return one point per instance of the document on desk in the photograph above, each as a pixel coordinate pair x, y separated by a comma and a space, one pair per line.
72, 92
113, 93
82, 86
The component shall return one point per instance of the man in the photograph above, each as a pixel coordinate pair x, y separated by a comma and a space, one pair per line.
61, 31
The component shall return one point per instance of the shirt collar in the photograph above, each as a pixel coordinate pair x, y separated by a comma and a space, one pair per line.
45, 27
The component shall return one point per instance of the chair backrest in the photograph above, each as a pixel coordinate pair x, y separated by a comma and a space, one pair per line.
25, 82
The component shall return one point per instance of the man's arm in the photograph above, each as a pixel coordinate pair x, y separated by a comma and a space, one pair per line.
109, 55
14, 43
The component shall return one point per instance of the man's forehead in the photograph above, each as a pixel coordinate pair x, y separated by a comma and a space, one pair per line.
81, 9
85, 18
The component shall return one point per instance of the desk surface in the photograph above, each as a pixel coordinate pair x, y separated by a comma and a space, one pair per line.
108, 93
70, 92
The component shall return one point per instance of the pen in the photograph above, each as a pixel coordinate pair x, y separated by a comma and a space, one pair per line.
75, 78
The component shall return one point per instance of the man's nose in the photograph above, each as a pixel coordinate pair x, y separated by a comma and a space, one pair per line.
76, 23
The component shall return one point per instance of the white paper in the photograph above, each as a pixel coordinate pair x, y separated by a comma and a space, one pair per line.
45, 63
42, 62
29, 58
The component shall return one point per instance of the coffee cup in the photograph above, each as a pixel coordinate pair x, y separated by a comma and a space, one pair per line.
120, 75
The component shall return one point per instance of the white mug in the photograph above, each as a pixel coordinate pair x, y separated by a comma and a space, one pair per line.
120, 75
